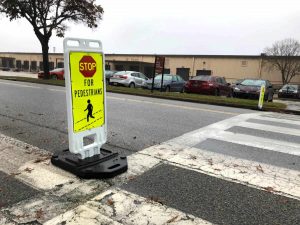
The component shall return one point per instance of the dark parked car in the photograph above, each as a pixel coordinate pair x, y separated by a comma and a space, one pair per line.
289, 91
56, 74
250, 88
108, 75
170, 83
211, 85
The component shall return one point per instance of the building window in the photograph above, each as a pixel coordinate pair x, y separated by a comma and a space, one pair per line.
203, 72
26, 65
33, 65
60, 65
19, 64
51, 65
134, 68
41, 65
167, 71
244, 63
119, 67
107, 67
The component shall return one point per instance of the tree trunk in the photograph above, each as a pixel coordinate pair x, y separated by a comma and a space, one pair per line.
45, 49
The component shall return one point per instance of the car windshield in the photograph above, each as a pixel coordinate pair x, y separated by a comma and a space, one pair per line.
57, 70
121, 73
290, 87
202, 78
166, 77
257, 83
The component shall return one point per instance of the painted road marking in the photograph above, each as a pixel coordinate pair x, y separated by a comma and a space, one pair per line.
178, 151
264, 127
20, 85
173, 106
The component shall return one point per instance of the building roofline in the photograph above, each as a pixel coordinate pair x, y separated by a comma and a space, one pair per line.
152, 55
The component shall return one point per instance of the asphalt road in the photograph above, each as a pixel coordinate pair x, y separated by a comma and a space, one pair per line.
36, 114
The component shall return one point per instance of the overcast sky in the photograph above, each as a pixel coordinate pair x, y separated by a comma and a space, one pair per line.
201, 27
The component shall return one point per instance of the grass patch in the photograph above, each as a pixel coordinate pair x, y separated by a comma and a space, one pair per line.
207, 99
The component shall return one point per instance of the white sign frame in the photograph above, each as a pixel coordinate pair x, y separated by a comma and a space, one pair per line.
261, 96
99, 134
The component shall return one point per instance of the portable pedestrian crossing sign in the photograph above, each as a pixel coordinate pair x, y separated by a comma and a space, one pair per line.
86, 112
261, 96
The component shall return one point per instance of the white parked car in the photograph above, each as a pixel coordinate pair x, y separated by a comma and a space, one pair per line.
128, 78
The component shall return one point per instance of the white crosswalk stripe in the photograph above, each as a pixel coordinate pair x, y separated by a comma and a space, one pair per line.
117, 206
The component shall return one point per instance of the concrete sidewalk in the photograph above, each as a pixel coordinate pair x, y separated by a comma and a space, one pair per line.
18, 74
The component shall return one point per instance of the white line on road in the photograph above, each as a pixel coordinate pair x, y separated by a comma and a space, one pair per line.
174, 106
258, 142
55, 90
271, 128
21, 85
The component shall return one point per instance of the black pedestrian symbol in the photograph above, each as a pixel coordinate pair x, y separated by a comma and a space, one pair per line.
89, 108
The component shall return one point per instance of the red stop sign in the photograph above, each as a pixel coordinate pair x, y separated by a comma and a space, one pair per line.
87, 66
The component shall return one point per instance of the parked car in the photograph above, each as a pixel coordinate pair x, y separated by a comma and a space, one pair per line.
250, 88
170, 83
56, 74
289, 91
211, 85
108, 75
128, 78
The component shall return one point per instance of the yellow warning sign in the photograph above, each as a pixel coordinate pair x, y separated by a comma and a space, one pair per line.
86, 75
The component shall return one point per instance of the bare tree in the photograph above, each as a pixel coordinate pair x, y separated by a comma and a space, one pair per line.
283, 56
48, 16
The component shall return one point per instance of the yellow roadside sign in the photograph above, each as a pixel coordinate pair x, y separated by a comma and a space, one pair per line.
86, 76
261, 96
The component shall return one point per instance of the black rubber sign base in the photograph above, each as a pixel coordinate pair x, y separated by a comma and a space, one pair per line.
105, 165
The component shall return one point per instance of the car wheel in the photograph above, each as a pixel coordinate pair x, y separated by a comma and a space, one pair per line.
217, 92
182, 90
132, 85
53, 77
168, 89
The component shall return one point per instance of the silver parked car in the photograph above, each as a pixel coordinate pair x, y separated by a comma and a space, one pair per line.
128, 78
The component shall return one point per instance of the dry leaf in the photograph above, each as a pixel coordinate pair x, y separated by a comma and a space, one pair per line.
42, 159
217, 169
259, 168
210, 161
110, 202
131, 177
39, 214
28, 170
155, 199
193, 157
269, 189
173, 219
15, 174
